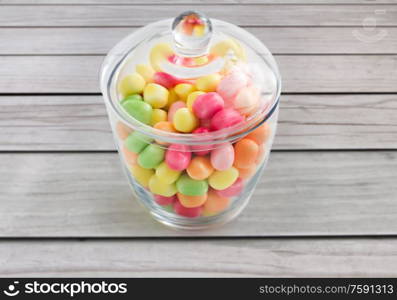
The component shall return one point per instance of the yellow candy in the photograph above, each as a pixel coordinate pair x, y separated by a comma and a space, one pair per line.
199, 30
222, 48
131, 84
208, 83
184, 120
191, 98
183, 90
221, 180
166, 174
156, 95
201, 60
172, 97
141, 175
158, 115
146, 71
158, 54
158, 187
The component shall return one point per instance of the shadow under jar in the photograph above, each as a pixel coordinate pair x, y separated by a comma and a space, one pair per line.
193, 105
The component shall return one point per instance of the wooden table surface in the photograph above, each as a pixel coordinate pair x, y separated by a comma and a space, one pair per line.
326, 205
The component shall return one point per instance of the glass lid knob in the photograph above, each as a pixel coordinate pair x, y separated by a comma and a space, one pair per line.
192, 32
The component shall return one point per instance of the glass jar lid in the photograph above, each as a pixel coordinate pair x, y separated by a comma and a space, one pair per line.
189, 47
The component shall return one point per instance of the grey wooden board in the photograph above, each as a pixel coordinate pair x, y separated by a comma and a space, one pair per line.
80, 123
249, 15
201, 258
301, 193
280, 40
301, 74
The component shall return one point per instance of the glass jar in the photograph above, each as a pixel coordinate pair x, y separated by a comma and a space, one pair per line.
193, 106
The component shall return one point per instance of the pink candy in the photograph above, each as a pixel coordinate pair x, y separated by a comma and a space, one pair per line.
178, 157
230, 85
201, 130
167, 80
233, 190
225, 118
173, 108
222, 157
206, 105
162, 200
187, 212
201, 150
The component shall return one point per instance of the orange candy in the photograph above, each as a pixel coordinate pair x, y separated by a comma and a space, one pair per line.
215, 203
164, 126
192, 201
246, 173
130, 156
200, 168
261, 154
123, 131
245, 151
260, 134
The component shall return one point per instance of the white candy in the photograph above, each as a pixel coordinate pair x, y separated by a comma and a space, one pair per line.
247, 100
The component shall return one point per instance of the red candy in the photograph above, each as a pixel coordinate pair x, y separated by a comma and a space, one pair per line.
201, 150
161, 200
178, 157
233, 190
167, 80
206, 123
226, 118
179, 60
192, 212
207, 105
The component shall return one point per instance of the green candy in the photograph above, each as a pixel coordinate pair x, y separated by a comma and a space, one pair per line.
138, 109
136, 142
132, 97
190, 187
169, 208
151, 156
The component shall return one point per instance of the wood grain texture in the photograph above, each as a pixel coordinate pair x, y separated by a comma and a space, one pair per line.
280, 40
201, 258
76, 123
301, 193
80, 123
301, 74
248, 15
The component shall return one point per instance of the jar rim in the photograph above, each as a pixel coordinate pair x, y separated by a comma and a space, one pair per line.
122, 50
